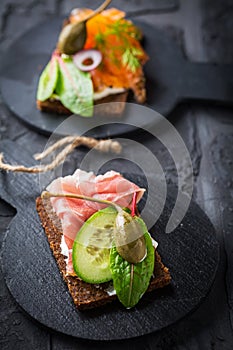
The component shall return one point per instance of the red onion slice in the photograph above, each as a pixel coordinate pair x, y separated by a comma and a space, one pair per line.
82, 58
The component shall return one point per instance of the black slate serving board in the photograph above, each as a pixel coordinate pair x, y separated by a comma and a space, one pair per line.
170, 78
191, 252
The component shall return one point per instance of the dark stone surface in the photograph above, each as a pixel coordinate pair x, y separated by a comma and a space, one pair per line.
130, 7
217, 27
203, 29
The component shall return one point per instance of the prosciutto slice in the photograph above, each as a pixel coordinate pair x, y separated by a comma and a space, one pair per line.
73, 213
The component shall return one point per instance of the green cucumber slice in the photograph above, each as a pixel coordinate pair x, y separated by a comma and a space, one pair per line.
91, 249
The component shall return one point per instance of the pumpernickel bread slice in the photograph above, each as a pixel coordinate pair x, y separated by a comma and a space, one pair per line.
86, 295
55, 106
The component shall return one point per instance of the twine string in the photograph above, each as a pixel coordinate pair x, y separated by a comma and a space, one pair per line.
72, 142
53, 147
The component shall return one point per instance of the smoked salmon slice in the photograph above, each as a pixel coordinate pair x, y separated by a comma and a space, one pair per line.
118, 39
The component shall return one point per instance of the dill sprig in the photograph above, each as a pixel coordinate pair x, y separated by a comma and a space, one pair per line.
120, 28
123, 31
130, 58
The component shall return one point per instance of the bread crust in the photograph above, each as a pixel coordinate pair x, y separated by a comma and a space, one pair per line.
86, 295
55, 106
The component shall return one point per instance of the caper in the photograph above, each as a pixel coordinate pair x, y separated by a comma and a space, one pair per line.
129, 238
73, 36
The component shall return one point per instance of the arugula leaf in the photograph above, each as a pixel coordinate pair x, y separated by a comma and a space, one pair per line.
48, 80
75, 88
132, 280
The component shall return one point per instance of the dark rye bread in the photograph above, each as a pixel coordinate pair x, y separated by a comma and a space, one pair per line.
86, 295
55, 106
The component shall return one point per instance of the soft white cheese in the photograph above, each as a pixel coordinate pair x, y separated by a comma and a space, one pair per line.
155, 244
106, 92
64, 248
110, 290
97, 95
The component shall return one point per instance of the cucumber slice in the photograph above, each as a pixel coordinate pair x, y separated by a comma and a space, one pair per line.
91, 249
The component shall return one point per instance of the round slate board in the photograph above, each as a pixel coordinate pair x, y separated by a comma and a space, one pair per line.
191, 252
169, 78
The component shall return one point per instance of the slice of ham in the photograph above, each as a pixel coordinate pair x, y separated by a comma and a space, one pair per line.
73, 213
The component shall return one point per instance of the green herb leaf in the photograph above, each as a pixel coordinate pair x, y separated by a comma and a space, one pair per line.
130, 58
132, 280
75, 88
48, 80
123, 31
100, 39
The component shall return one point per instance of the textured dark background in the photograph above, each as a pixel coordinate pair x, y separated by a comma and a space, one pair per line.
204, 30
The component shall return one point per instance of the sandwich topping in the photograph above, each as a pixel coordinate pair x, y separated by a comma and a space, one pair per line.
103, 239
107, 59
87, 60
